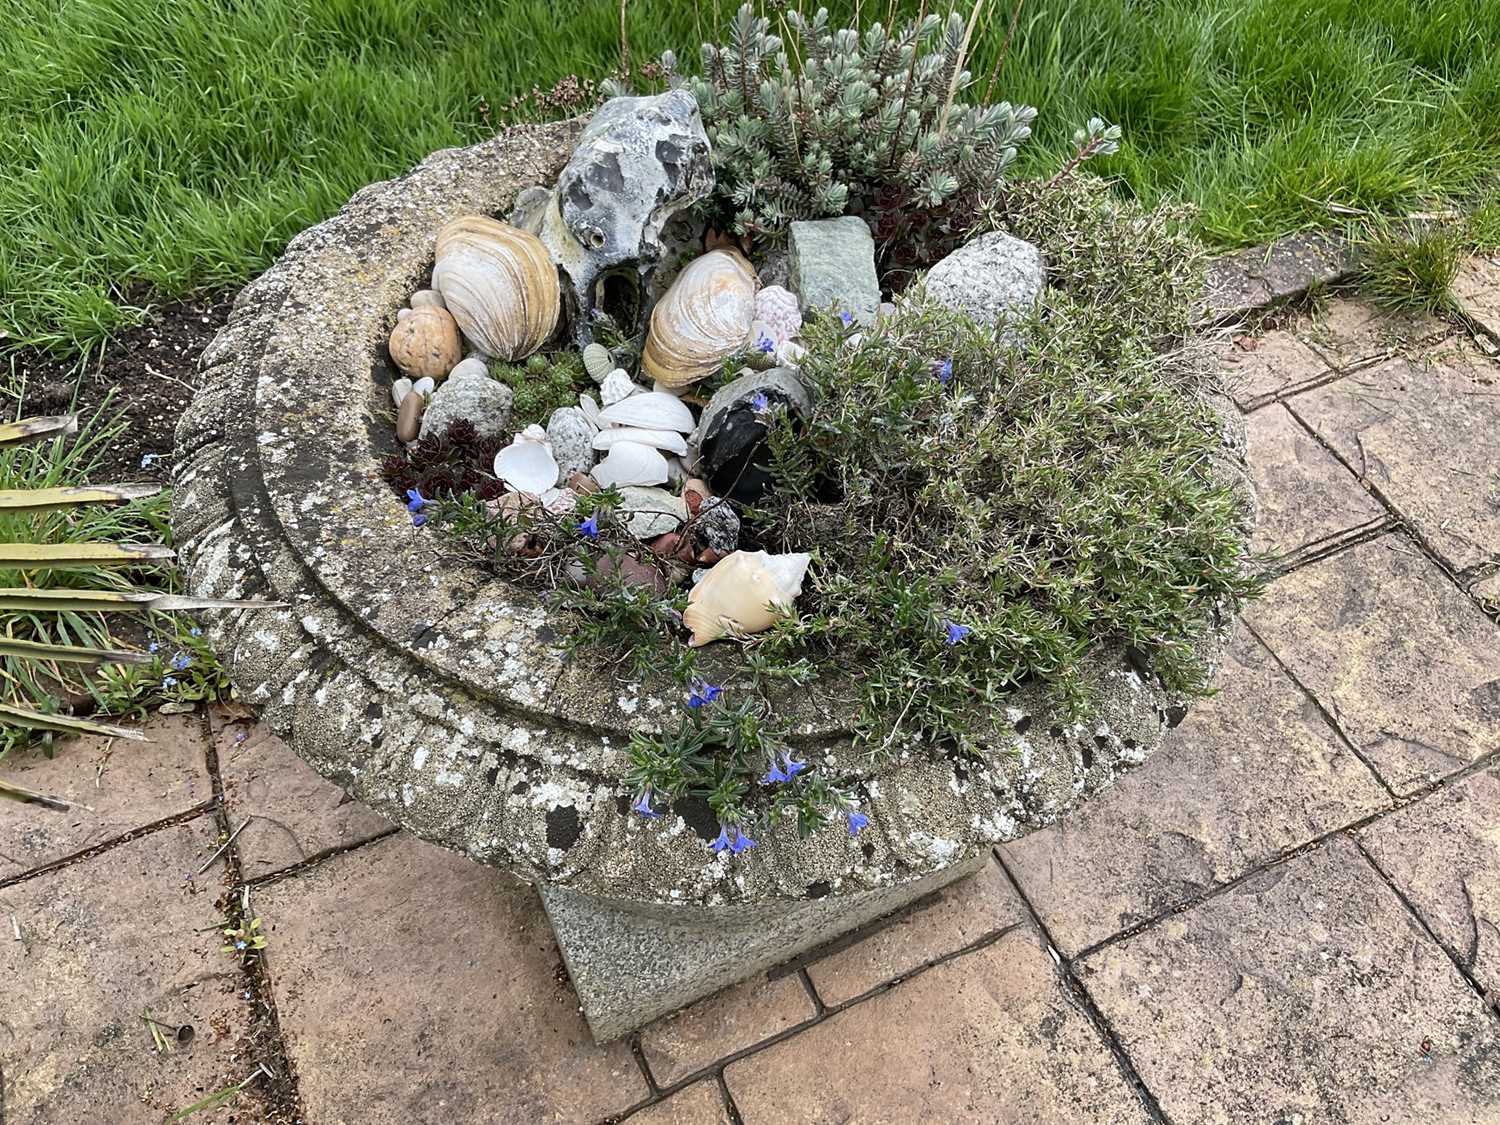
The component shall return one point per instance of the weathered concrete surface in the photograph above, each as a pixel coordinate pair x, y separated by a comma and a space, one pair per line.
1259, 368
700, 1104
1246, 280
1305, 495
1443, 854
1406, 664
1425, 431
293, 813
102, 942
1477, 290
959, 916
739, 1017
124, 784
1253, 772
429, 985
1307, 993
990, 1036
1350, 334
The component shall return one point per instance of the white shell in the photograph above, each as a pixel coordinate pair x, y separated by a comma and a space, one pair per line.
424, 386
650, 410
630, 463
590, 409
617, 387
743, 594
471, 366
499, 283
400, 388
657, 439
701, 320
527, 464
427, 299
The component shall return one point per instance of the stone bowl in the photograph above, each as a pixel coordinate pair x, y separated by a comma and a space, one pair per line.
444, 700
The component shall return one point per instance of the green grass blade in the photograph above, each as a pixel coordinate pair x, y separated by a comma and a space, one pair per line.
128, 601
70, 654
31, 429
75, 556
64, 724
53, 499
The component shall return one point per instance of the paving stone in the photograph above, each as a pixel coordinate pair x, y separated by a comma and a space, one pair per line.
1405, 663
990, 1036
102, 942
1477, 289
1257, 367
1305, 494
738, 1017
297, 813
1487, 590
1350, 334
699, 1104
138, 784
1426, 433
1305, 994
411, 981
1443, 853
962, 914
1252, 772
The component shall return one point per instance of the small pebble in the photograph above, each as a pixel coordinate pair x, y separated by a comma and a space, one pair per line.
409, 417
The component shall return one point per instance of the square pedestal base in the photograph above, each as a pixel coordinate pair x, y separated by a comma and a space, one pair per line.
630, 968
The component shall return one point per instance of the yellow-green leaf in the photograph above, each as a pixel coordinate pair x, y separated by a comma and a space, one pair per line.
63, 724
31, 600
78, 556
70, 654
50, 499
30, 429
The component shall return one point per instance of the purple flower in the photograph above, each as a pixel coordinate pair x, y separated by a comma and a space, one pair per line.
418, 519
776, 773
857, 820
783, 771
703, 694
590, 527
760, 403
415, 501
723, 840
955, 633
736, 843
643, 806
181, 661
742, 842
847, 318
765, 345
945, 371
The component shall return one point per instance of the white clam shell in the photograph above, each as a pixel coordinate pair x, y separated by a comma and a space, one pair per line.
631, 463
650, 410
617, 387
471, 366
743, 593
590, 409
424, 386
499, 283
400, 388
669, 440
701, 320
427, 299
527, 465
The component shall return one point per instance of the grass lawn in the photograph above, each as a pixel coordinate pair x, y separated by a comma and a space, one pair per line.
158, 147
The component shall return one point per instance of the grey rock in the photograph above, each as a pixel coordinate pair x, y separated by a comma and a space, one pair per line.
831, 263
718, 525
726, 448
477, 398
650, 512
531, 207
639, 162
997, 279
571, 434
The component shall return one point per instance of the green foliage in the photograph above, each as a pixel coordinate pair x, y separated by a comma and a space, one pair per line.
244, 939
541, 385
819, 123
1411, 268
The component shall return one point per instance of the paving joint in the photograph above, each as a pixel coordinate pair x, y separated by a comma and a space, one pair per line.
103, 846
317, 859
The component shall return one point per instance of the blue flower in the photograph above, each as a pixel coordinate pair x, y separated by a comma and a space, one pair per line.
847, 318
945, 371
149, 459
152, 647
169, 681
793, 768
776, 774
240, 945
955, 633
760, 403
703, 694
857, 820
590, 527
418, 519
181, 661
736, 844
785, 770
643, 805
415, 501
195, 632
723, 840
765, 345
742, 842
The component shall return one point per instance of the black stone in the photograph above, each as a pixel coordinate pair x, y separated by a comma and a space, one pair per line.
563, 827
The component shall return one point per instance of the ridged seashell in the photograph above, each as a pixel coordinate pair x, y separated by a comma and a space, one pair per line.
427, 299
743, 594
500, 285
527, 464
651, 410
597, 362
425, 342
702, 319
617, 387
657, 439
630, 463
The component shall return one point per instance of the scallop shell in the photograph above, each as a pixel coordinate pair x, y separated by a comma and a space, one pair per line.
656, 439
701, 320
631, 463
617, 387
597, 362
500, 285
651, 410
425, 342
527, 464
742, 594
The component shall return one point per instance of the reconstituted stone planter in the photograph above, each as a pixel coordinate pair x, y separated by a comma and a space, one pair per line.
443, 699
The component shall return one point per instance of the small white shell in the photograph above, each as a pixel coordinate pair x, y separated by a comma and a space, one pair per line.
617, 387
742, 594
400, 388
650, 410
630, 463
471, 366
657, 439
527, 464
590, 409
424, 386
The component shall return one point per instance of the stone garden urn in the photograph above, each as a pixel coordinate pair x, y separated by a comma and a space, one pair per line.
444, 699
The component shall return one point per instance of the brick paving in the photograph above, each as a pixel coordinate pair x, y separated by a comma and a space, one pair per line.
1290, 914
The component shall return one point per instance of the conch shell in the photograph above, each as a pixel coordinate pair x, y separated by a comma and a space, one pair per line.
701, 320
743, 593
500, 285
425, 343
